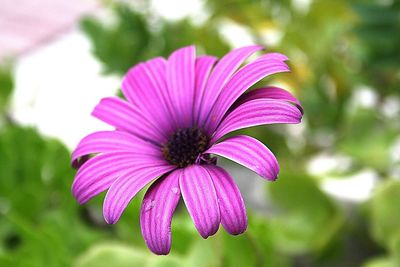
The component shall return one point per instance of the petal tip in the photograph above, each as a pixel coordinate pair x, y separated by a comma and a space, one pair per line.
109, 217
207, 234
162, 252
110, 220
274, 178
238, 231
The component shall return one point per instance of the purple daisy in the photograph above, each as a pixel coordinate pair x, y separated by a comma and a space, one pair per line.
168, 130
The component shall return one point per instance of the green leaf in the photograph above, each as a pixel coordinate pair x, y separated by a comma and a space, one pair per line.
6, 85
377, 29
372, 149
131, 39
385, 214
39, 214
204, 253
380, 262
109, 254
308, 220
121, 45
174, 35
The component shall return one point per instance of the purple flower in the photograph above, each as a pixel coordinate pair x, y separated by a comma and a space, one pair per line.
176, 112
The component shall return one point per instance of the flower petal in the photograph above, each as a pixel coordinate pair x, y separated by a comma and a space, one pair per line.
268, 92
200, 198
126, 187
98, 173
250, 153
181, 82
144, 86
220, 75
231, 205
239, 83
203, 68
158, 207
113, 141
276, 56
258, 112
126, 117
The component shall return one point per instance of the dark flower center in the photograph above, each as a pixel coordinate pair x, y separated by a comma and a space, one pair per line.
184, 146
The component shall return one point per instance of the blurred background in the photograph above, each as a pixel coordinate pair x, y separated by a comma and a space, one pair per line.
337, 200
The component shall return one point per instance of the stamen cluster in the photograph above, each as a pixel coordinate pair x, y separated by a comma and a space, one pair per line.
184, 146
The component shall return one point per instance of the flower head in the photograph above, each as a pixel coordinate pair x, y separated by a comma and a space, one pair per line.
168, 132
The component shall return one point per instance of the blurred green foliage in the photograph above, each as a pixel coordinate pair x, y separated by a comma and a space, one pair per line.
337, 49
6, 85
385, 214
308, 220
138, 41
378, 29
133, 37
37, 214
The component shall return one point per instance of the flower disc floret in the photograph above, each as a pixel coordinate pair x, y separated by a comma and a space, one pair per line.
184, 146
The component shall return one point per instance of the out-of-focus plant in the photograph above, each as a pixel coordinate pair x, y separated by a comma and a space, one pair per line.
137, 40
378, 29
6, 85
39, 224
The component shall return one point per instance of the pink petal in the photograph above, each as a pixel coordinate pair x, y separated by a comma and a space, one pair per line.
126, 117
98, 173
250, 153
126, 187
268, 92
231, 205
113, 141
239, 83
200, 198
276, 56
203, 68
144, 86
181, 82
157, 210
158, 73
258, 112
220, 76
